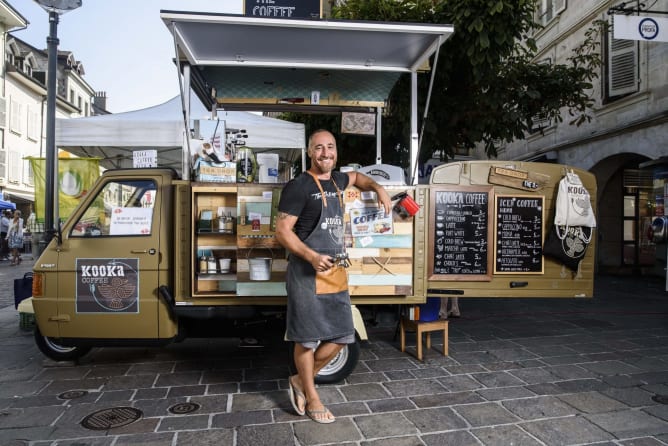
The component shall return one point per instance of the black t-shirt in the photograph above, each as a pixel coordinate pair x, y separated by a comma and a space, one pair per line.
301, 198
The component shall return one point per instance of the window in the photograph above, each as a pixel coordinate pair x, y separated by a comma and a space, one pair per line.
121, 208
15, 116
71, 96
27, 173
14, 166
622, 67
548, 10
33, 124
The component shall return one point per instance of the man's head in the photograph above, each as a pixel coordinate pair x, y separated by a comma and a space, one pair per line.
322, 151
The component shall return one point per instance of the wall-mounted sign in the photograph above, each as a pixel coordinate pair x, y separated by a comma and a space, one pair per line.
358, 123
640, 28
519, 234
283, 9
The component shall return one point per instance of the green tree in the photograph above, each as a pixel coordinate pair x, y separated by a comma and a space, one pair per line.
487, 88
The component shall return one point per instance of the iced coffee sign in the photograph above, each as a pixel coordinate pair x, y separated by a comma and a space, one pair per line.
131, 221
293, 9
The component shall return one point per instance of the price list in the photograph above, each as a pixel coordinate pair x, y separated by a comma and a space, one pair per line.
461, 233
519, 234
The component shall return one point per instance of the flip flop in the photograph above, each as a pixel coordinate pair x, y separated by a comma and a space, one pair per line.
294, 394
312, 415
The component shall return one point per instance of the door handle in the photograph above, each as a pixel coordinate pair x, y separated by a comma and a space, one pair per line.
151, 251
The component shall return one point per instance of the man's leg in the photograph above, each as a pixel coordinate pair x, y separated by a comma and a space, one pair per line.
309, 363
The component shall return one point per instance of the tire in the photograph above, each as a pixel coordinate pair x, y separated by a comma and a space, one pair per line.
51, 349
338, 368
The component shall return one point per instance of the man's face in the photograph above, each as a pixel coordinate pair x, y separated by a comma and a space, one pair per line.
322, 152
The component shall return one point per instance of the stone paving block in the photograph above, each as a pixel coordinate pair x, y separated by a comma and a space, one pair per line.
645, 441
652, 377
446, 399
361, 378
459, 383
210, 437
30, 417
88, 441
430, 372
550, 350
505, 393
513, 354
128, 382
347, 409
143, 425
258, 386
567, 359
391, 405
629, 423
257, 401
35, 401
399, 375
632, 396
611, 368
235, 419
485, 414
414, 387
151, 368
361, 392
589, 347
459, 438
395, 441
497, 379
473, 357
178, 379
159, 439
385, 425
23, 388
582, 385
266, 373
592, 402
534, 375
538, 407
659, 411
62, 373
311, 433
566, 431
545, 389
387, 365
219, 389
108, 370
214, 403
465, 369
156, 407
148, 394
116, 396
25, 434
187, 422
435, 420
622, 381
658, 389
504, 436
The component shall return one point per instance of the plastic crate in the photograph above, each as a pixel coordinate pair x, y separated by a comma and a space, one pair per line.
27, 321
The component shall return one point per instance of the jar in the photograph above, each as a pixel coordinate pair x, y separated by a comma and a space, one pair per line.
211, 265
229, 224
203, 265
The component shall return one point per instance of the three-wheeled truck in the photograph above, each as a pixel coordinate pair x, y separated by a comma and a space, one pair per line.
151, 256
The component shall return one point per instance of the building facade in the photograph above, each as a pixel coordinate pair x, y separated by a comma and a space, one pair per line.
627, 139
23, 105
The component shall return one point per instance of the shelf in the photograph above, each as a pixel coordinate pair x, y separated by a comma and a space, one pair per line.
217, 276
214, 232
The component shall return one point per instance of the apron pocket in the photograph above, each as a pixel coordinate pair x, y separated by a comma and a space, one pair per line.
334, 280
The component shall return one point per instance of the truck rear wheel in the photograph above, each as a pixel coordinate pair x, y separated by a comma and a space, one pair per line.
51, 349
338, 368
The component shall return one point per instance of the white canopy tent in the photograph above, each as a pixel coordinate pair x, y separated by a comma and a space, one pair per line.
114, 137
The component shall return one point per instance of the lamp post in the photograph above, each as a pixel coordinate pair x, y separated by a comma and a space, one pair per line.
55, 8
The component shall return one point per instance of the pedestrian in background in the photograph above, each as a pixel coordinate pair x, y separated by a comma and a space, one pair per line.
444, 313
15, 237
4, 227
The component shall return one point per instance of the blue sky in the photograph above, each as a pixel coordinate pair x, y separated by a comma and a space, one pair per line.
125, 48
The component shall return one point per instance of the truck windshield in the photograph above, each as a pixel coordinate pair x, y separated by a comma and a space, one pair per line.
121, 207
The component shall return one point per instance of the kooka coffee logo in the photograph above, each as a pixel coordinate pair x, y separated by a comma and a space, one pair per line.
107, 285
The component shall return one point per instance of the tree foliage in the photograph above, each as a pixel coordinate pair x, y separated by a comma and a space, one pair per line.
487, 88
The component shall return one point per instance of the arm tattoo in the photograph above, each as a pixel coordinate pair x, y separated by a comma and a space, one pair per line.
282, 215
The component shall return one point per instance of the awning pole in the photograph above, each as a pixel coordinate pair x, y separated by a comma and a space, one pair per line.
426, 106
414, 134
379, 135
184, 83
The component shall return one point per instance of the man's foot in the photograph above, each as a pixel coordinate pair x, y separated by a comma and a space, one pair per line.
454, 313
442, 315
319, 414
297, 397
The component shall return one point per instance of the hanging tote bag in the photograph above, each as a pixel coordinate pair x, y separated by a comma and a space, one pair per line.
573, 207
567, 245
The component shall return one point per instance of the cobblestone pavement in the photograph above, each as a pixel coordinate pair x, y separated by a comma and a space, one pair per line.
521, 372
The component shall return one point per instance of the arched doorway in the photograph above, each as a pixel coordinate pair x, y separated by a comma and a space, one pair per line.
624, 201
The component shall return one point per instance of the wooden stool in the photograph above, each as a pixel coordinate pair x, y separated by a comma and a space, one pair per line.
423, 327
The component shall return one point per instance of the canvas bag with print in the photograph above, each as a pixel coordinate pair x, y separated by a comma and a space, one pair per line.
573, 206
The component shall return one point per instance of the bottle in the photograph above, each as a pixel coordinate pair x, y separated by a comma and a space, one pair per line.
203, 265
246, 165
211, 265
229, 223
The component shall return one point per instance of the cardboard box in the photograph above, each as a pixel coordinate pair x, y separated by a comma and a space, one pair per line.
225, 172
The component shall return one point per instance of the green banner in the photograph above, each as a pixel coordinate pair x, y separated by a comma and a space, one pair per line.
75, 178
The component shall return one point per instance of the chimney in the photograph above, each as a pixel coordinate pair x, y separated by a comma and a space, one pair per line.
100, 100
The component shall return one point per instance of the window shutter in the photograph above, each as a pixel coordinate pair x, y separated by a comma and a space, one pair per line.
622, 66
3, 112
558, 6
14, 164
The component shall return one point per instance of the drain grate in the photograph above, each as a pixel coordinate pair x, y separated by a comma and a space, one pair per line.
183, 408
661, 399
110, 418
72, 394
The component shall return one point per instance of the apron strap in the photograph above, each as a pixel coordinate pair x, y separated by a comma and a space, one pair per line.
322, 192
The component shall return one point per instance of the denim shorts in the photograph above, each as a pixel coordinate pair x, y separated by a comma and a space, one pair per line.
350, 339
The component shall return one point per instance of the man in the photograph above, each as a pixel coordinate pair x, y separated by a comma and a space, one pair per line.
4, 227
310, 226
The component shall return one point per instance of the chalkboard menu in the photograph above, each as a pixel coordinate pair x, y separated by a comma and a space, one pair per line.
460, 231
519, 234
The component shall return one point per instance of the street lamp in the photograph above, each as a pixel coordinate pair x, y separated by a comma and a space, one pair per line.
54, 8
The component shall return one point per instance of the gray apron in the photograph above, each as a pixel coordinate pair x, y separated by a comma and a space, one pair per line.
319, 303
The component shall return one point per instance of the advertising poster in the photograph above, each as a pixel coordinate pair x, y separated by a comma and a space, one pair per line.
370, 221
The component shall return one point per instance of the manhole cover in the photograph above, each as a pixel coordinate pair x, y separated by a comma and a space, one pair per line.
183, 408
110, 418
662, 399
72, 394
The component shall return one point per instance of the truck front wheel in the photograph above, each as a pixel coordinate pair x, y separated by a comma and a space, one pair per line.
51, 349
